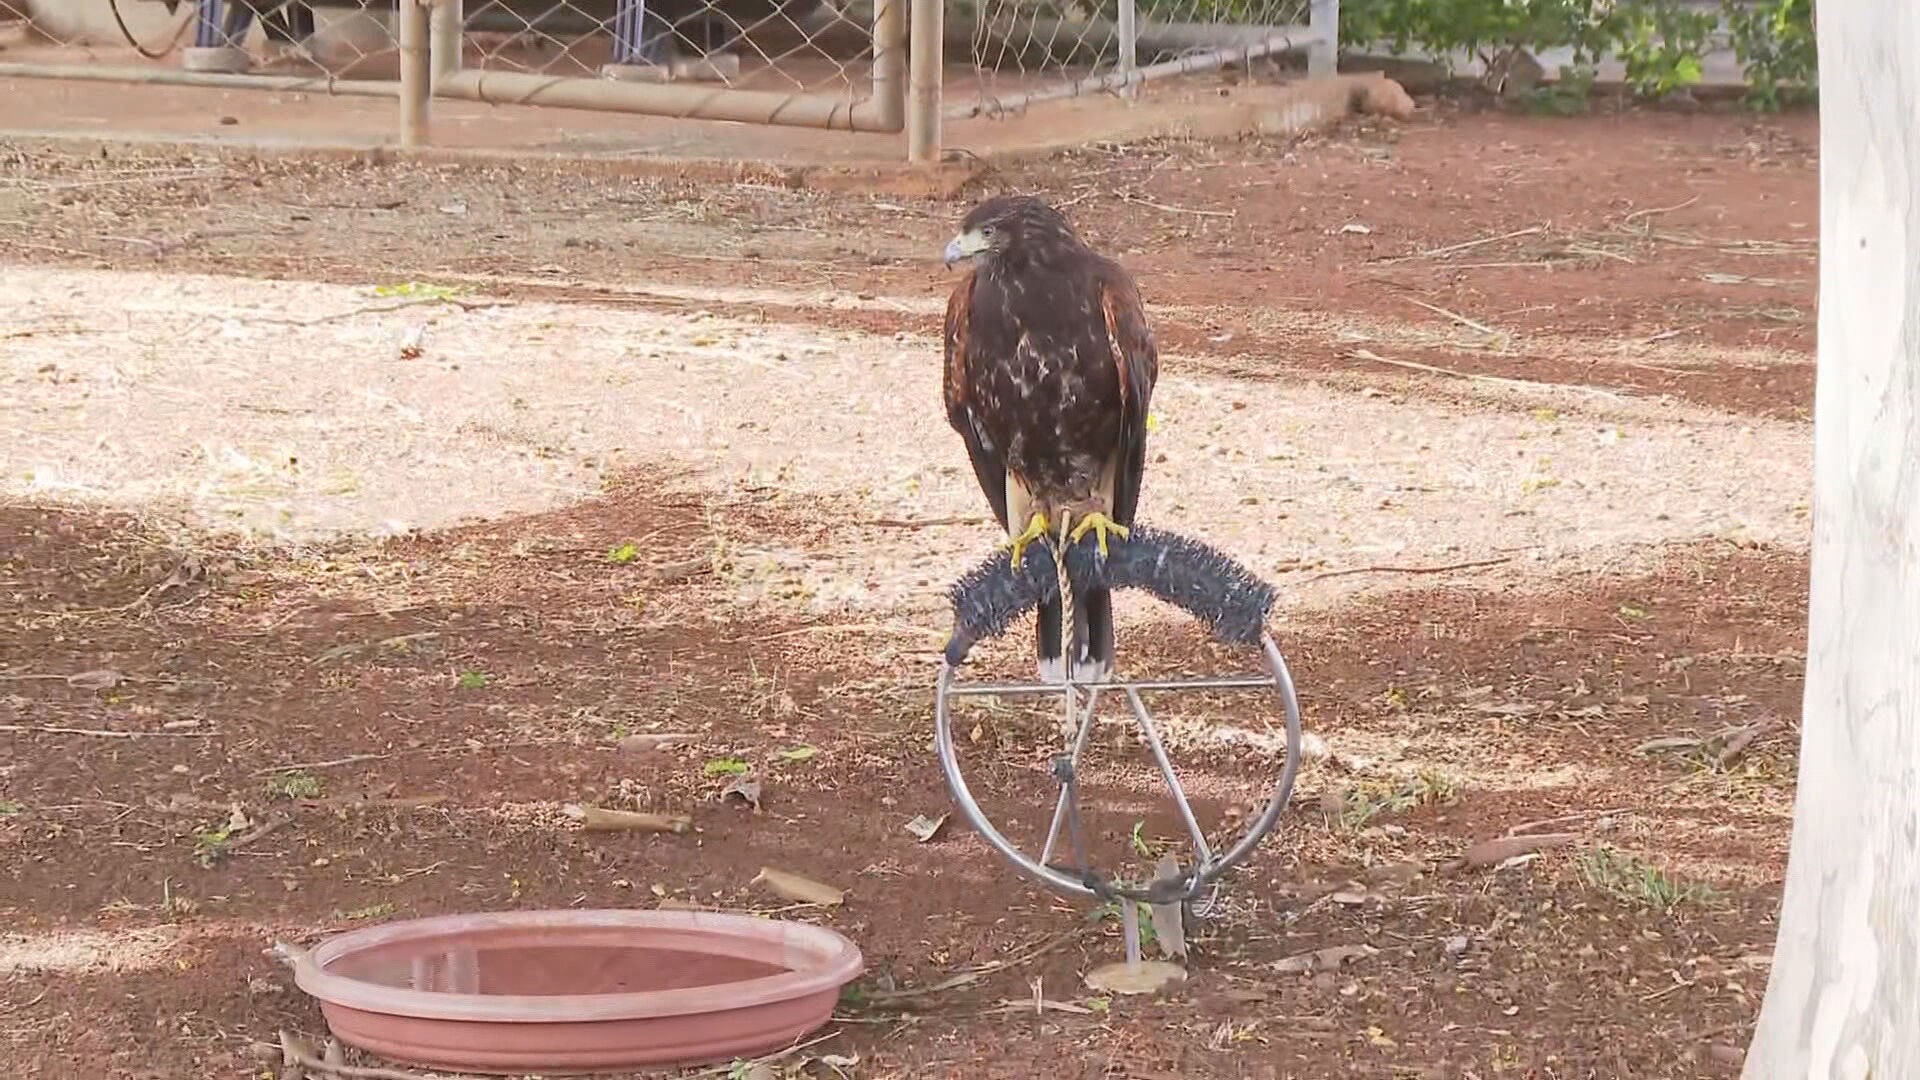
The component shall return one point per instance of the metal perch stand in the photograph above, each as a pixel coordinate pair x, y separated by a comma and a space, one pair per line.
1230, 600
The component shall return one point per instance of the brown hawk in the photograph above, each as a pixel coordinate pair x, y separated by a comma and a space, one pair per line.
1050, 366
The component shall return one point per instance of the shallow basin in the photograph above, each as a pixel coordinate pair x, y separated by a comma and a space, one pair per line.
577, 991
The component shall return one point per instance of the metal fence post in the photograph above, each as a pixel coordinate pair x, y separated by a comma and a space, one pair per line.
448, 30
416, 71
928, 45
1323, 55
1129, 41
890, 61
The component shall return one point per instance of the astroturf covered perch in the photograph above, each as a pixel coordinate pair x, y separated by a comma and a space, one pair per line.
1186, 573
1191, 575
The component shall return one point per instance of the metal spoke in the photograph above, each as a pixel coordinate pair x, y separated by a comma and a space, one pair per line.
1081, 735
1152, 734
1209, 867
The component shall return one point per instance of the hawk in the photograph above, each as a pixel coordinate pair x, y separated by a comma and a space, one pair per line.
1050, 365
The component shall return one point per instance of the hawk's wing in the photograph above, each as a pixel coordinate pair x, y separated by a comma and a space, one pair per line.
989, 461
1130, 340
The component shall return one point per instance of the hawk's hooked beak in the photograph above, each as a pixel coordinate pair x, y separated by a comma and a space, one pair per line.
964, 247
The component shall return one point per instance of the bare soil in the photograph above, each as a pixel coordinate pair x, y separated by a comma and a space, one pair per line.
510, 698
410, 712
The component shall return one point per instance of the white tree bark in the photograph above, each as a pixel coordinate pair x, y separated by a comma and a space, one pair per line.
1844, 998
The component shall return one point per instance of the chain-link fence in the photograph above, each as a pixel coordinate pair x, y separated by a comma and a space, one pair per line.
806, 62
1031, 50
837, 64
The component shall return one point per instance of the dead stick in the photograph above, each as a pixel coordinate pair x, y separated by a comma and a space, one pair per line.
734, 1069
256, 834
1476, 564
410, 802
600, 819
355, 759
1463, 246
1527, 827
98, 734
1500, 380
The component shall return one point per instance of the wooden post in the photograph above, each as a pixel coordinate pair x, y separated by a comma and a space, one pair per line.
1843, 1001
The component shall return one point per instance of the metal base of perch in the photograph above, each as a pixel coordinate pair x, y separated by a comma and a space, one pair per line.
1233, 604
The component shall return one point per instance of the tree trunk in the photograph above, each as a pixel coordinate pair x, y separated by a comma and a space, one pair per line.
1844, 998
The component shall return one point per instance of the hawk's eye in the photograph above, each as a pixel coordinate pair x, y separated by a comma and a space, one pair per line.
986, 230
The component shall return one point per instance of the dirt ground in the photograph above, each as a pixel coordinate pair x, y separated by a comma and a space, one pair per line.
387, 503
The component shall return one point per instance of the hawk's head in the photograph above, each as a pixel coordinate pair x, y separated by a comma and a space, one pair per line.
1009, 228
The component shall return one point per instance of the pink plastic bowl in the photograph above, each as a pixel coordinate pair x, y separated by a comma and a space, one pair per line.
577, 991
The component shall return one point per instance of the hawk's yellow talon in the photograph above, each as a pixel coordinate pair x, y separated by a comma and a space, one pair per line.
1036, 529
1099, 525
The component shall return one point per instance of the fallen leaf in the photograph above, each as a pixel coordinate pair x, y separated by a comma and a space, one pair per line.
725, 767
839, 1061
102, 679
1356, 227
601, 819
798, 889
1327, 959
798, 753
1147, 977
924, 828
1738, 742
1493, 852
744, 789
1379, 1038
237, 820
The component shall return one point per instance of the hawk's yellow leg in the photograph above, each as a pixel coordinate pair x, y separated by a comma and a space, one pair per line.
1036, 529
1100, 525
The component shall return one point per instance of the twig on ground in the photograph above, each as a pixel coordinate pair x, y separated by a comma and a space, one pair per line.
1448, 568
1528, 827
730, 1068
978, 972
27, 729
1524, 384
926, 523
1459, 318
1654, 210
255, 835
1466, 245
1141, 200
381, 309
355, 759
902, 629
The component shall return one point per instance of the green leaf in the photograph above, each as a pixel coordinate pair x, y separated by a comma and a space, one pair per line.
726, 766
623, 554
473, 680
8, 808
798, 753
